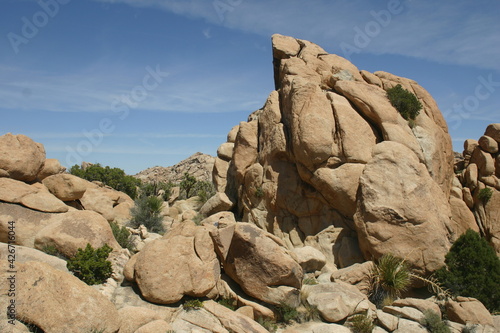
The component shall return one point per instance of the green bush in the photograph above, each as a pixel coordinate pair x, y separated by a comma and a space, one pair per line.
158, 189
405, 102
287, 313
472, 270
259, 192
361, 324
187, 186
122, 236
193, 304
147, 211
268, 324
432, 321
229, 303
308, 312
204, 190
485, 194
390, 277
113, 177
91, 266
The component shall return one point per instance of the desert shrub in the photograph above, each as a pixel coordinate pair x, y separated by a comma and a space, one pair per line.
193, 304
53, 251
122, 236
113, 177
472, 269
310, 281
432, 321
147, 211
229, 303
204, 190
405, 102
390, 277
287, 313
308, 312
485, 194
158, 189
361, 324
268, 324
259, 192
187, 186
91, 266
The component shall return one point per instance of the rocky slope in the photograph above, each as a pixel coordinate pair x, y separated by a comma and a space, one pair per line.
197, 165
324, 178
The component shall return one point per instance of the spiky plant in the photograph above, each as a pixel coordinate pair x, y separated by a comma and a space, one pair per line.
391, 276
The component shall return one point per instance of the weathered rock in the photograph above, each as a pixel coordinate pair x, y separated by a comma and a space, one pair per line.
336, 300
73, 230
129, 269
259, 263
199, 320
401, 210
310, 259
20, 157
154, 327
66, 187
314, 327
404, 312
488, 144
133, 317
50, 167
409, 326
232, 321
24, 254
284, 46
182, 263
484, 161
32, 196
387, 320
222, 236
493, 131
468, 310
42, 288
357, 275
225, 151
420, 304
247, 311
105, 201
220, 202
462, 218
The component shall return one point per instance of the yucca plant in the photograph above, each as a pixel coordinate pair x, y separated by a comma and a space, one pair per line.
391, 276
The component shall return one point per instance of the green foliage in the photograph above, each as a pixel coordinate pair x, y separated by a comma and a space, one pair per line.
268, 324
390, 277
485, 194
114, 177
147, 211
361, 324
472, 270
432, 321
53, 251
229, 303
405, 102
193, 304
122, 236
204, 190
91, 266
187, 185
308, 312
287, 313
310, 281
157, 189
259, 192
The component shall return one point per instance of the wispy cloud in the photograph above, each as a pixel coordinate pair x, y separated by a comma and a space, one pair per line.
458, 32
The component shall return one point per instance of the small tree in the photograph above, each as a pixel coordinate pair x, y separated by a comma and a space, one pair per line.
147, 211
122, 236
187, 185
91, 266
405, 102
473, 270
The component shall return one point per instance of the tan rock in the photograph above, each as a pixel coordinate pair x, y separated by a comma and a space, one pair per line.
467, 197
20, 157
42, 288
133, 317
246, 311
310, 259
468, 311
154, 327
218, 203
357, 275
245, 148
393, 215
231, 136
493, 131
469, 147
219, 174
25, 254
31, 196
219, 219
259, 263
222, 235
471, 176
371, 78
387, 320
74, 230
462, 218
232, 321
420, 304
122, 213
129, 269
182, 263
225, 151
95, 199
497, 166
50, 167
410, 326
66, 187
284, 46
199, 320
488, 144
484, 161
336, 300
404, 312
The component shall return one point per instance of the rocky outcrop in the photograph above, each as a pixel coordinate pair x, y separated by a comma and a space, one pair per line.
297, 166
20, 157
197, 165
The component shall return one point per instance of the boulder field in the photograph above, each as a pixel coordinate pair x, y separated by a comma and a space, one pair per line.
324, 179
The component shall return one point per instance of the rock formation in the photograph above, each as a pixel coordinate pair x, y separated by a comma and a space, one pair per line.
329, 149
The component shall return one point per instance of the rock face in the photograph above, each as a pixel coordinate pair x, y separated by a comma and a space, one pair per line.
296, 166
56, 301
198, 165
182, 263
20, 157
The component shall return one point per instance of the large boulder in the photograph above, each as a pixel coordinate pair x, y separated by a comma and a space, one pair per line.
73, 230
25, 254
66, 187
182, 263
20, 157
50, 167
56, 301
261, 265
105, 201
401, 210
468, 310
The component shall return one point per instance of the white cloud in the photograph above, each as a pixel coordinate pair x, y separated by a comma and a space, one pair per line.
458, 32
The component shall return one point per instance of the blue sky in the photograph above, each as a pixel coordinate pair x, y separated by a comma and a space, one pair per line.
139, 83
